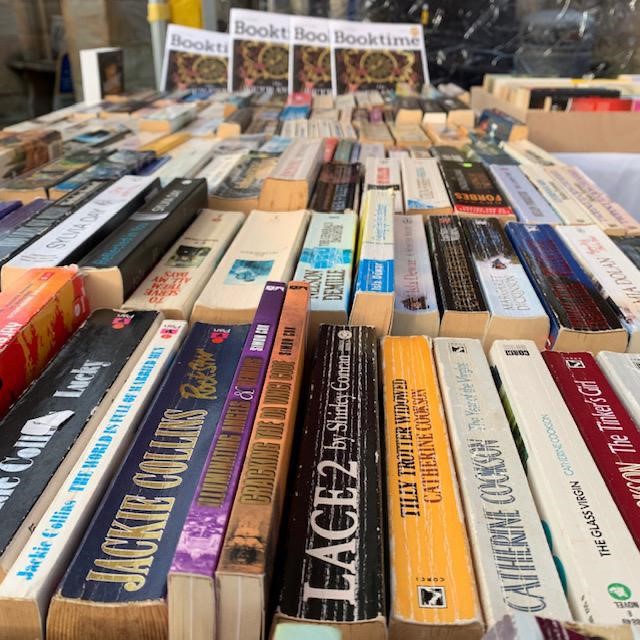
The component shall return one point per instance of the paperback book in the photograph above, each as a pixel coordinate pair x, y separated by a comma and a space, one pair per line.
623, 373
384, 173
423, 187
337, 188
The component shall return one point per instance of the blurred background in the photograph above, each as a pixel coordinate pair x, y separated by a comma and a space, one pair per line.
39, 63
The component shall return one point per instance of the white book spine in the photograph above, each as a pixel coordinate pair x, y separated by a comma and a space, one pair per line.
514, 566
219, 168
423, 185
300, 161
186, 160
588, 536
36, 572
384, 173
623, 372
611, 271
525, 152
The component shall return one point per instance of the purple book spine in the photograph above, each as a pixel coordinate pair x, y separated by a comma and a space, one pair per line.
16, 217
203, 532
8, 206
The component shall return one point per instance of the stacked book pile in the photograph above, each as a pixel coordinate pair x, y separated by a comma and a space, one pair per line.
301, 366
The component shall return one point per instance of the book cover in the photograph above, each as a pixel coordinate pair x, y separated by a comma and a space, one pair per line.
527, 202
154, 486
623, 373
266, 248
526, 152
186, 160
601, 570
37, 317
384, 173
423, 187
168, 118
376, 55
502, 126
630, 246
310, 55
416, 307
514, 568
581, 319
180, 275
21, 152
333, 571
473, 192
194, 59
614, 275
337, 188
431, 570
604, 424
516, 311
463, 309
200, 544
326, 264
250, 542
70, 240
123, 259
219, 168
30, 582
46, 430
259, 44
374, 286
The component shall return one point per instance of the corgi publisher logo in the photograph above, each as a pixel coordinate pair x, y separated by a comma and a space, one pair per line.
121, 321
218, 336
167, 331
574, 363
432, 597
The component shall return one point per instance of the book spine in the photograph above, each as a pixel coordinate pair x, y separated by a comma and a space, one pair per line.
607, 429
565, 290
614, 275
339, 448
156, 480
631, 248
527, 202
423, 186
456, 283
326, 260
336, 187
623, 373
594, 551
261, 489
19, 216
375, 258
504, 282
208, 515
432, 581
34, 573
514, 566
384, 173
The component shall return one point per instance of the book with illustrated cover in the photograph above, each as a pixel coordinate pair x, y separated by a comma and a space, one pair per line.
29, 584
337, 188
102, 73
22, 152
219, 168
527, 202
60, 412
334, 572
180, 275
326, 264
431, 570
601, 570
604, 424
194, 59
77, 234
416, 306
463, 309
623, 373
581, 318
310, 55
266, 248
114, 268
516, 311
259, 44
247, 560
376, 55
192, 573
374, 285
615, 276
500, 512
423, 188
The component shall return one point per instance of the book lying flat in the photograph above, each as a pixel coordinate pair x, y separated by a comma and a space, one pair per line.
180, 275
513, 563
526, 153
581, 319
266, 248
416, 307
186, 160
374, 288
27, 589
433, 588
588, 537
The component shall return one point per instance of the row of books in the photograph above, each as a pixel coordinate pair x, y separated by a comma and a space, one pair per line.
147, 473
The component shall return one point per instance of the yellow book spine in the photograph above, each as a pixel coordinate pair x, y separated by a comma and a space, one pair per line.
432, 580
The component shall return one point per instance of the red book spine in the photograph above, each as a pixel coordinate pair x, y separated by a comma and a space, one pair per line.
606, 427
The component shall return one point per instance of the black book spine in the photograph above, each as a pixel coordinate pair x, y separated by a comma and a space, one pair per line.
334, 565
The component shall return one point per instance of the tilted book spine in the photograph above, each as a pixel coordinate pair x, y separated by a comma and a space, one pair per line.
623, 373
205, 525
432, 581
334, 566
606, 427
513, 562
